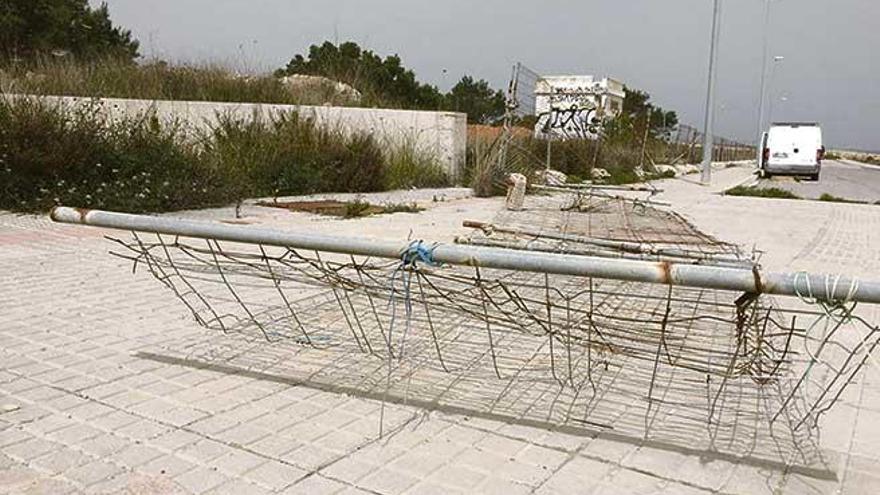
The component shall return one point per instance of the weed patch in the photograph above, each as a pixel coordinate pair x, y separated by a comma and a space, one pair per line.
50, 157
401, 208
52, 154
760, 192
409, 167
835, 199
345, 209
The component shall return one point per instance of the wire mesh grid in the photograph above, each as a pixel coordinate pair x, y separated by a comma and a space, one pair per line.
713, 370
521, 94
615, 218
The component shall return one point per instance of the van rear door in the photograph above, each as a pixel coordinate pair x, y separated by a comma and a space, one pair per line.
794, 145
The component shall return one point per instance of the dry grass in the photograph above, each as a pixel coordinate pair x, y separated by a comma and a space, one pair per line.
160, 81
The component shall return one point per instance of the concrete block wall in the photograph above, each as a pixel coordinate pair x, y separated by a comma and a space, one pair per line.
443, 134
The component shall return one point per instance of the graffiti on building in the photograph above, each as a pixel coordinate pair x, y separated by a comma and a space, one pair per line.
570, 116
573, 122
574, 107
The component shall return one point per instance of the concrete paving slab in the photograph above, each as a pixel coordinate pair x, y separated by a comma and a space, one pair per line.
69, 340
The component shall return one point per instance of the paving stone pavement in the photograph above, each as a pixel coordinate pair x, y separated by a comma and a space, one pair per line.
82, 412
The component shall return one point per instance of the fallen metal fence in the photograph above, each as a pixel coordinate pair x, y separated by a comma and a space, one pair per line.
677, 340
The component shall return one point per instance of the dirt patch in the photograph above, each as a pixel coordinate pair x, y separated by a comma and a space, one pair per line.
342, 209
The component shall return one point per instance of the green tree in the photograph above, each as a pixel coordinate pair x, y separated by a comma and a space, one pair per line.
639, 111
380, 80
32, 28
477, 99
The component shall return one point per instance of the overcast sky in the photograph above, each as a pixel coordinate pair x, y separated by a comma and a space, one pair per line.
831, 71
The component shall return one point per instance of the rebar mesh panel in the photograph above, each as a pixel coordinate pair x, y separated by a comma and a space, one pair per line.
612, 218
711, 370
521, 95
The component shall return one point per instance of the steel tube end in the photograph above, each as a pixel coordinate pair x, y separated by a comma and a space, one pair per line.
66, 214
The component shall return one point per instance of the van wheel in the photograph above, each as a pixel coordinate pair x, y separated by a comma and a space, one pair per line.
814, 177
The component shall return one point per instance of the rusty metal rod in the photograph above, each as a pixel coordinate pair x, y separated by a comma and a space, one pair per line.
625, 246
819, 287
605, 187
600, 194
521, 245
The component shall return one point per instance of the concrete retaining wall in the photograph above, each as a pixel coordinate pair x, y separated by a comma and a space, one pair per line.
443, 134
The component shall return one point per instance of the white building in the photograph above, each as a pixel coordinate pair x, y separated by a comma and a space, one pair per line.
575, 106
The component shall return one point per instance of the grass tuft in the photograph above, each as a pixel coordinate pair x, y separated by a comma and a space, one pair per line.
760, 192
410, 167
401, 208
835, 199
356, 209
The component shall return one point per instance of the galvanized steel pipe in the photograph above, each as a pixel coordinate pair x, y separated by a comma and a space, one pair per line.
821, 287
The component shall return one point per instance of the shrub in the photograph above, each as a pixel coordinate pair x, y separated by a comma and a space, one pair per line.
288, 154
53, 154
49, 155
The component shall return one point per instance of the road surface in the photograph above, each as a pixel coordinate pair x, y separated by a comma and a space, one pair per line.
844, 179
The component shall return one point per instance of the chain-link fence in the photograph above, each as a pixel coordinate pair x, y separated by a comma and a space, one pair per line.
685, 145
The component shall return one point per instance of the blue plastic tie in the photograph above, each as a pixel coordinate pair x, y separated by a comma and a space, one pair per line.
418, 251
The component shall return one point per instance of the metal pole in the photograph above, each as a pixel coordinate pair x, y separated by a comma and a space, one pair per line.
609, 187
819, 287
512, 104
549, 144
759, 127
706, 176
645, 138
776, 60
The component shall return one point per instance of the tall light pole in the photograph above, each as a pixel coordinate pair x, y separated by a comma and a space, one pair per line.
759, 127
776, 60
708, 137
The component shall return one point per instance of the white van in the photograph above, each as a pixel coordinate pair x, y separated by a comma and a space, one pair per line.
792, 148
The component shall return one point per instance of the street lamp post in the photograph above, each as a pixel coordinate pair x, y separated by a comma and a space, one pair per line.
708, 137
759, 128
776, 60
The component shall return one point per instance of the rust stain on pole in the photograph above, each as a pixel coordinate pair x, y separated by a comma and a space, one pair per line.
665, 272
